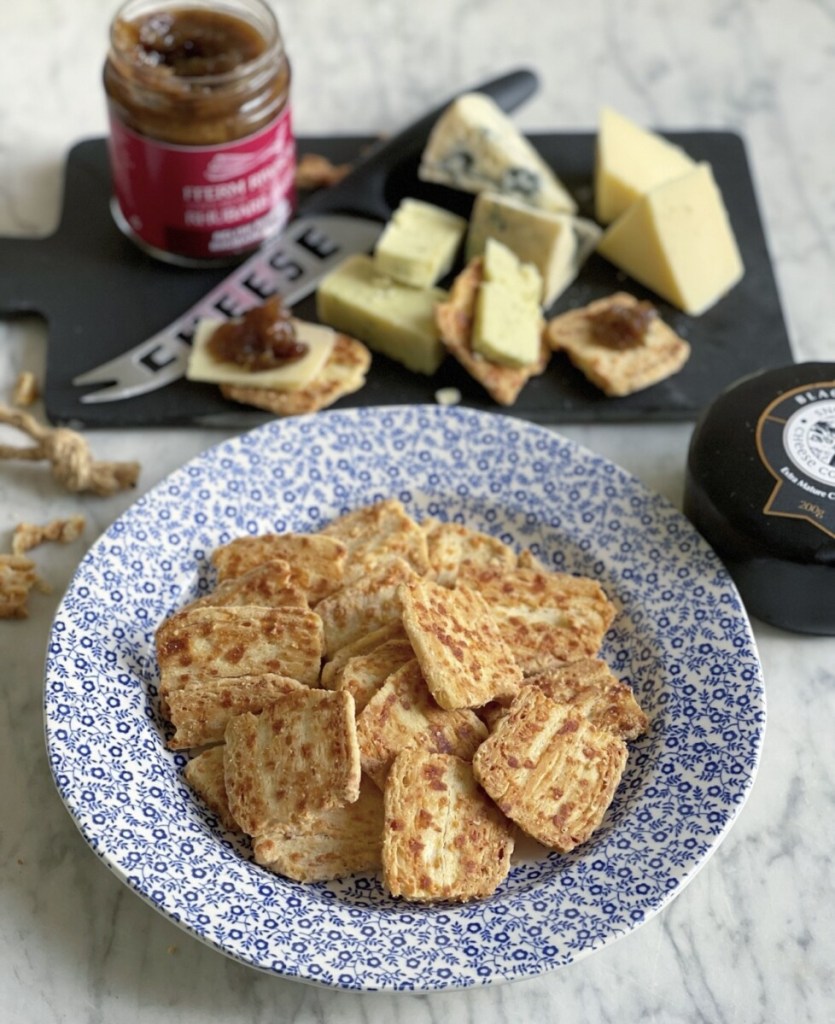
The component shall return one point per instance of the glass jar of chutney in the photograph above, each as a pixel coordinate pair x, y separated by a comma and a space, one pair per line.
201, 146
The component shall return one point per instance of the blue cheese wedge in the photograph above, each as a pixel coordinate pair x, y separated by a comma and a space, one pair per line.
678, 241
298, 373
475, 146
419, 243
508, 323
391, 318
629, 162
557, 244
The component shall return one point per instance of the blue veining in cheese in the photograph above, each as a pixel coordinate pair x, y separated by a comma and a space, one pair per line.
474, 146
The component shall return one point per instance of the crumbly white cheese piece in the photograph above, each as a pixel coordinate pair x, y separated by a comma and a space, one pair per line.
475, 146
557, 244
678, 241
298, 373
630, 161
419, 243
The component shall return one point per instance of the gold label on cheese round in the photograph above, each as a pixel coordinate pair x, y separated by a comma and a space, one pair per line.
796, 442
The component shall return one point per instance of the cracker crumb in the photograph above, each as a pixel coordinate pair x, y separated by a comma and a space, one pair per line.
17, 578
63, 531
315, 171
26, 390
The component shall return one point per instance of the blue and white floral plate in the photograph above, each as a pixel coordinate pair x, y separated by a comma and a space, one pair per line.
681, 638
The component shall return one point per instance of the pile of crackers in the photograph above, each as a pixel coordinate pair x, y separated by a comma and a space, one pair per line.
387, 695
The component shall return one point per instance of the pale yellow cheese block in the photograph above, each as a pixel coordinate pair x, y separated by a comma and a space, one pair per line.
678, 241
391, 318
557, 244
419, 243
293, 375
508, 324
630, 161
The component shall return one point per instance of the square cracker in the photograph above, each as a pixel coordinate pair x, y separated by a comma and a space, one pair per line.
591, 687
201, 710
268, 585
617, 371
403, 713
363, 606
334, 843
214, 643
455, 318
550, 769
343, 373
451, 544
545, 618
295, 759
205, 774
364, 644
363, 675
374, 534
458, 645
444, 839
316, 562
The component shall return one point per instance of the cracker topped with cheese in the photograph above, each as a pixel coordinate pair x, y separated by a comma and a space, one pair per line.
456, 320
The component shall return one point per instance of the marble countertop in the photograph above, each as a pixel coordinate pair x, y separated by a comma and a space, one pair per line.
751, 938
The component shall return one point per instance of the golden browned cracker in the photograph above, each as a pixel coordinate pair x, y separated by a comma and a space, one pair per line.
373, 534
268, 585
363, 675
331, 844
550, 769
344, 373
213, 643
201, 710
546, 618
617, 371
204, 773
295, 759
443, 839
364, 644
451, 544
403, 712
363, 606
316, 562
591, 687
458, 645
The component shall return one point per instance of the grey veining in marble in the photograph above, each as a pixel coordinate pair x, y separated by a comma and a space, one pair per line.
751, 940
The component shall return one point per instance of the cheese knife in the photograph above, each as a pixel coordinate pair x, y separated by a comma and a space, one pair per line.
331, 224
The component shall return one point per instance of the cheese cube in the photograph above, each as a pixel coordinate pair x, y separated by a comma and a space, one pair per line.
391, 318
419, 243
557, 244
293, 375
507, 327
475, 146
630, 161
678, 241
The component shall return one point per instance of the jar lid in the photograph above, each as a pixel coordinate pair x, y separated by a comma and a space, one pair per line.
760, 487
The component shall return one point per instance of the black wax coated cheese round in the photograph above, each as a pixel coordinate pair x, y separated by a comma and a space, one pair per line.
760, 488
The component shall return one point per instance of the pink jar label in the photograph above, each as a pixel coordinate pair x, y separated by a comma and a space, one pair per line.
205, 202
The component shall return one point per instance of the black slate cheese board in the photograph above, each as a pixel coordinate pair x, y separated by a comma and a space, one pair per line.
101, 295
